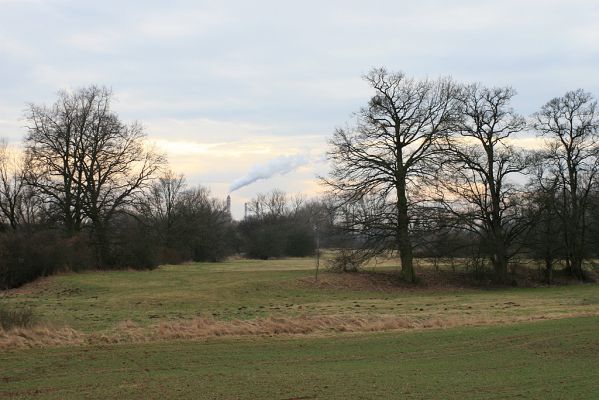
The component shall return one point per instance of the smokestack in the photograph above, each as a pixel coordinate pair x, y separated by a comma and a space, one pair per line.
229, 204
245, 211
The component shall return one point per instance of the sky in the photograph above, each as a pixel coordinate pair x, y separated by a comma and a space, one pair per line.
230, 88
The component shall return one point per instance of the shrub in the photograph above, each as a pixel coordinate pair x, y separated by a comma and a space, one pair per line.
132, 245
25, 256
276, 237
348, 260
15, 318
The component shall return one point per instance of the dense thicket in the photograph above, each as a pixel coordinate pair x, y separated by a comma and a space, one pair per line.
185, 223
279, 226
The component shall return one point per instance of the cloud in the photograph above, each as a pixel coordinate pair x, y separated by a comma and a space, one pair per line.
100, 42
182, 23
224, 86
205, 129
11, 47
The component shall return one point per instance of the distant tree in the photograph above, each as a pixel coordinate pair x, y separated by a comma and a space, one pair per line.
185, 223
383, 157
592, 239
86, 162
204, 225
269, 205
477, 169
545, 241
12, 187
160, 206
570, 125
278, 225
19, 204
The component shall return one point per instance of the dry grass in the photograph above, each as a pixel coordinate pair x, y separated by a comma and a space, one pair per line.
430, 280
39, 336
257, 298
199, 328
389, 281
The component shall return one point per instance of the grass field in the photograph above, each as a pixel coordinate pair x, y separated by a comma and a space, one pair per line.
492, 344
543, 360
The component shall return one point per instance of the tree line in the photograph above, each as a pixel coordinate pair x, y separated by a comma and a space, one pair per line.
87, 190
431, 167
431, 162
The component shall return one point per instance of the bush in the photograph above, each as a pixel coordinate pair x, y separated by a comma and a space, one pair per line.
14, 318
132, 245
300, 241
25, 256
29, 254
276, 237
79, 254
348, 260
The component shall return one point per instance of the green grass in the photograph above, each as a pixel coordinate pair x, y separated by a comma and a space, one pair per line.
245, 289
542, 360
554, 359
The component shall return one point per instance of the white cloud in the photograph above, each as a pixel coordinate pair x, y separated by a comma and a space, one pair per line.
207, 129
222, 86
99, 42
11, 47
176, 24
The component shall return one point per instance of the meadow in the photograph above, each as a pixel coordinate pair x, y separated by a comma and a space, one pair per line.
265, 329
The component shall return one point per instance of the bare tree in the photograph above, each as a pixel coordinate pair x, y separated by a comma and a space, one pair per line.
545, 239
205, 224
571, 126
159, 205
390, 149
269, 205
18, 203
86, 161
474, 176
279, 225
54, 154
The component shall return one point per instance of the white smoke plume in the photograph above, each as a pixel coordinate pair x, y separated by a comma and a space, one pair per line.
277, 166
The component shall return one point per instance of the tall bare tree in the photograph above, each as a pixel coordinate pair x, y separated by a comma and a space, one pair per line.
12, 186
160, 205
87, 162
19, 203
54, 154
570, 125
478, 163
390, 149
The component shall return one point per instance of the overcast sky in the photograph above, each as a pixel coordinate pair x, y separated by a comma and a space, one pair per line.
233, 86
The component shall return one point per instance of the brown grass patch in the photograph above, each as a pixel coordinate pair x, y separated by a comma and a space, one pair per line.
389, 281
429, 281
199, 328
34, 287
39, 336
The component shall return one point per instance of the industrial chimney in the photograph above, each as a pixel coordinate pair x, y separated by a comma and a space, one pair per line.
229, 204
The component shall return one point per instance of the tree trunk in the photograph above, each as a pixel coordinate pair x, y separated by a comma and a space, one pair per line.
500, 260
407, 262
102, 245
575, 245
403, 236
549, 269
576, 268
